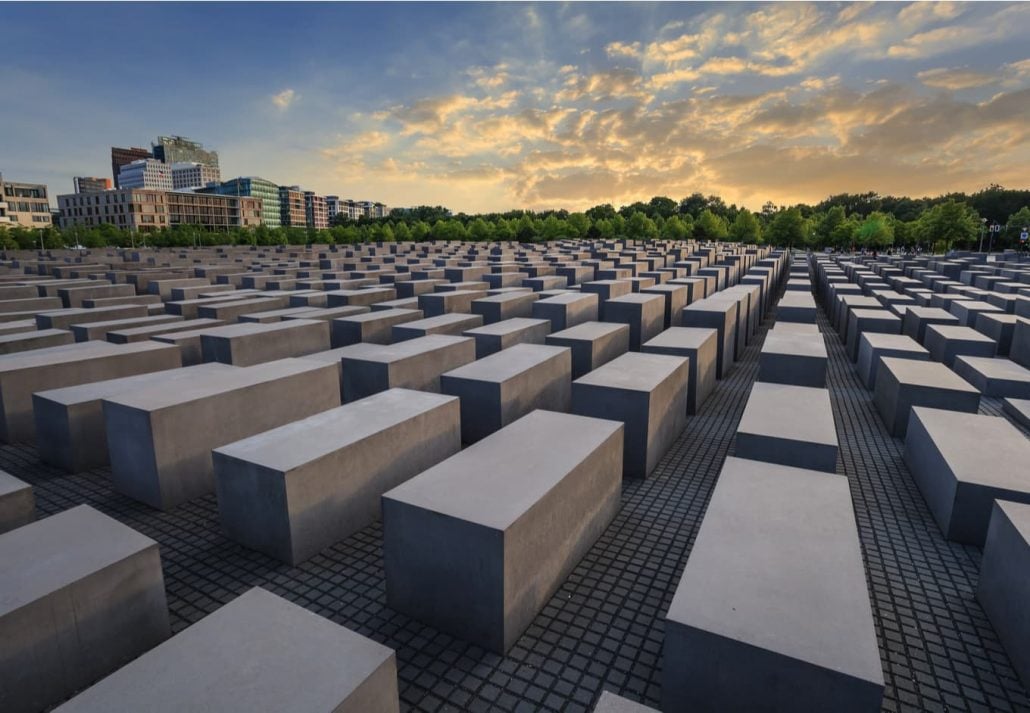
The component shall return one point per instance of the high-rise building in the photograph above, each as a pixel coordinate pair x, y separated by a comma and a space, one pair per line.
291, 207
191, 176
316, 213
253, 187
140, 209
146, 173
87, 184
120, 157
179, 149
332, 205
24, 204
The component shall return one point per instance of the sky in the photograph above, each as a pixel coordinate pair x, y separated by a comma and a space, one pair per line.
491, 107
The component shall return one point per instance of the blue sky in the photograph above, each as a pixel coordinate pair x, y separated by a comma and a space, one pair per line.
497, 106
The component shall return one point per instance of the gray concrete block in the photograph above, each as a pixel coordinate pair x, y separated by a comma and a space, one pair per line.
567, 310
17, 503
1018, 410
904, 383
230, 311
860, 321
648, 393
946, 342
21, 375
35, 339
297, 489
100, 330
476, 545
437, 303
274, 315
998, 377
968, 310
141, 334
605, 290
721, 316
611, 703
503, 387
65, 318
160, 439
1004, 586
412, 364
360, 298
593, 344
795, 328
70, 431
788, 425
509, 305
962, 463
999, 327
452, 323
80, 595
874, 346
698, 345
250, 343
772, 611
793, 359
676, 298
373, 327
796, 307
644, 313
259, 652
1019, 350
492, 338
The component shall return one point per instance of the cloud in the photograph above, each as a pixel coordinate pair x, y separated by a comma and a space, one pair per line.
955, 79
284, 99
623, 49
1006, 23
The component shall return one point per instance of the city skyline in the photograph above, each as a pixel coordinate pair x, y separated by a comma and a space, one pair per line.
495, 107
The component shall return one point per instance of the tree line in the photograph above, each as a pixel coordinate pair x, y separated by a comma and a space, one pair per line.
843, 222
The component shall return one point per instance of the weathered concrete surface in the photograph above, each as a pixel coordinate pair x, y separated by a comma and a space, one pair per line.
701, 347
17, 503
412, 364
788, 425
250, 343
492, 338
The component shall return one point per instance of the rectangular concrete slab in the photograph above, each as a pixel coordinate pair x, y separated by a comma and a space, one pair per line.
904, 383
160, 438
503, 387
476, 545
700, 346
874, 346
793, 359
250, 343
17, 503
788, 425
1004, 586
772, 611
81, 594
648, 393
412, 364
259, 652
962, 463
592, 343
297, 489
492, 338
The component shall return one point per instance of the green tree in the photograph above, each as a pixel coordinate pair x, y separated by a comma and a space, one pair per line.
674, 229
420, 230
579, 225
710, 226
788, 228
875, 232
554, 228
948, 224
401, 232
480, 230
640, 227
746, 228
504, 230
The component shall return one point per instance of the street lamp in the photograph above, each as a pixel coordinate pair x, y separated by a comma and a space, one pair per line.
983, 224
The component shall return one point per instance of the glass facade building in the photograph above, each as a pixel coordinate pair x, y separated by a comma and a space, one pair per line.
253, 187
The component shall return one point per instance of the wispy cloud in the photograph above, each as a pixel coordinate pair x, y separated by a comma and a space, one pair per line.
284, 99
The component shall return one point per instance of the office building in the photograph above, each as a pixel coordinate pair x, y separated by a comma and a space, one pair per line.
253, 187
332, 206
291, 207
24, 204
121, 156
179, 149
140, 209
88, 184
316, 212
191, 176
146, 173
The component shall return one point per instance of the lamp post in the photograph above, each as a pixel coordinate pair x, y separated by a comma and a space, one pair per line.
983, 224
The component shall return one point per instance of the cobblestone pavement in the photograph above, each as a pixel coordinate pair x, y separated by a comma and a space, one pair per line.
603, 628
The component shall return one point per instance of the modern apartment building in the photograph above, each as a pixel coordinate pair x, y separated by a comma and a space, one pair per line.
146, 173
121, 156
140, 209
354, 210
253, 187
24, 204
332, 205
316, 212
291, 207
191, 176
88, 184
179, 149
